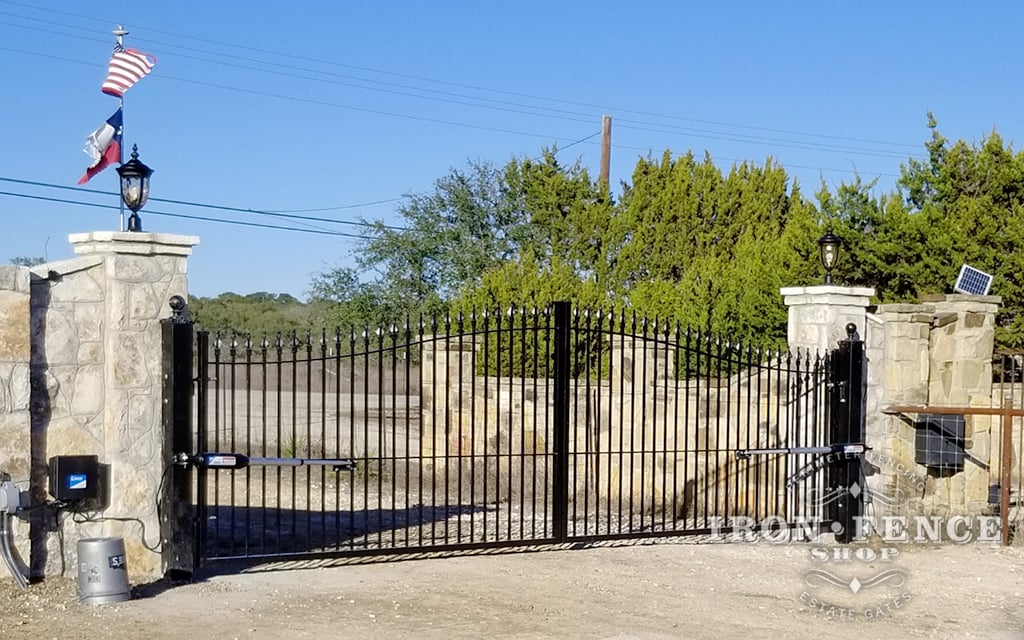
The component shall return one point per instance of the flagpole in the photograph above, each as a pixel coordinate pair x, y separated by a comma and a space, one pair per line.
121, 33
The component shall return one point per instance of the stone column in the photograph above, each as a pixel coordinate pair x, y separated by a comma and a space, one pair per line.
636, 363
936, 353
447, 373
139, 274
818, 315
960, 374
898, 365
818, 318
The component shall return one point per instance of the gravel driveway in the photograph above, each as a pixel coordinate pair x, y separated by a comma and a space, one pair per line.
664, 590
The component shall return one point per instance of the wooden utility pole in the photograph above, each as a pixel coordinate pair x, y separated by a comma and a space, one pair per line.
606, 147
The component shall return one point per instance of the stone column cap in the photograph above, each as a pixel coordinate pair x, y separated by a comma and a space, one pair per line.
828, 294
133, 242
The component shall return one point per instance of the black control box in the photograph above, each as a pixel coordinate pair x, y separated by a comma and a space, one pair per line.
75, 478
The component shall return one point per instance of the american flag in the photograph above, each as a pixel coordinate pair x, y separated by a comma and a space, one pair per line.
127, 66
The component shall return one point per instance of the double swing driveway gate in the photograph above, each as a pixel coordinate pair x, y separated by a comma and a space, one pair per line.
517, 428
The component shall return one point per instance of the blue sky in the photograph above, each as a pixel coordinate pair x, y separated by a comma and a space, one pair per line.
334, 105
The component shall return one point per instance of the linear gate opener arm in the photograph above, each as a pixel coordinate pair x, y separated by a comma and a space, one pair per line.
208, 460
847, 448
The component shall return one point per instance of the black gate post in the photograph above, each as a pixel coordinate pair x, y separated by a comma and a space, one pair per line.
560, 445
202, 441
177, 523
847, 426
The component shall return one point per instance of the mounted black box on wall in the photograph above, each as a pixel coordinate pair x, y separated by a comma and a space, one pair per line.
939, 442
75, 478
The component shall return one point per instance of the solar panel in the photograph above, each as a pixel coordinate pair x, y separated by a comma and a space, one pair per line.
972, 281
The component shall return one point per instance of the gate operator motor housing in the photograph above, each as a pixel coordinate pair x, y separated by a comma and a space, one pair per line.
75, 478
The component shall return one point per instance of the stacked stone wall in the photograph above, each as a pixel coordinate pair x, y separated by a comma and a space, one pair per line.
80, 374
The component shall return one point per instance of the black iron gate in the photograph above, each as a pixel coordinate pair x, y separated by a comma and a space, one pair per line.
515, 428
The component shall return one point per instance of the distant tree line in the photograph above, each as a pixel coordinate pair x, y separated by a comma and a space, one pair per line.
255, 313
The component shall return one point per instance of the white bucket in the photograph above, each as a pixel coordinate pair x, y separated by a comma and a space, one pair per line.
102, 571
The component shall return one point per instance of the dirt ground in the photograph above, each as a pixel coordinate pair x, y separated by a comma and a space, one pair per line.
641, 591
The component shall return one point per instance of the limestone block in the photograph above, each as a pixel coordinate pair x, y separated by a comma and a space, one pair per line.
140, 560
128, 361
875, 342
939, 498
117, 309
68, 436
19, 386
974, 321
143, 433
91, 353
55, 337
14, 278
967, 347
969, 374
941, 382
943, 350
176, 284
132, 489
115, 411
15, 338
89, 321
815, 314
56, 393
15, 430
806, 334
976, 482
87, 390
983, 425
906, 350
130, 268
957, 492
144, 304
80, 286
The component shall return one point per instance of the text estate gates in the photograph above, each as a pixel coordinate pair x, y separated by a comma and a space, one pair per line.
503, 429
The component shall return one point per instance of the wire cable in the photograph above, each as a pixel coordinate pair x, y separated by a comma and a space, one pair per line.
275, 214
457, 84
242, 223
279, 213
82, 517
667, 129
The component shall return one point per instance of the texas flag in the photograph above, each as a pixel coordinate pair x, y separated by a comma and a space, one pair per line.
103, 146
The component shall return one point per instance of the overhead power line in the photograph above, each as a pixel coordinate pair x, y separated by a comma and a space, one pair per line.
187, 203
148, 212
640, 125
556, 139
339, 207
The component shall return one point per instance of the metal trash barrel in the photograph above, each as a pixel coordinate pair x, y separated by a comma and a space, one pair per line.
102, 571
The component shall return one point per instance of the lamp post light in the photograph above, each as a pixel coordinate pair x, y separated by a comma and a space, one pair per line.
134, 187
828, 252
